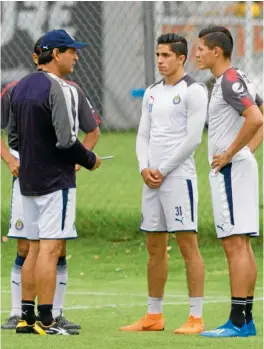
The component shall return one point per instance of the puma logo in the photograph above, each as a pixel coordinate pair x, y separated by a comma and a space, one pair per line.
16, 283
218, 226
179, 220
63, 283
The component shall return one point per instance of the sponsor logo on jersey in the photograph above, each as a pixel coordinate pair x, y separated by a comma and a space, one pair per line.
176, 99
151, 102
19, 224
237, 87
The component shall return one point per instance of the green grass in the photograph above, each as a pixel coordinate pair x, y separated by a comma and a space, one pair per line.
107, 265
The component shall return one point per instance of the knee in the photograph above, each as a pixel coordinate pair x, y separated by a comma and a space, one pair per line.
189, 248
157, 249
22, 247
235, 246
51, 248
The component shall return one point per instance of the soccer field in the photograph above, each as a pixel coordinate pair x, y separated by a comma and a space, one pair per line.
107, 265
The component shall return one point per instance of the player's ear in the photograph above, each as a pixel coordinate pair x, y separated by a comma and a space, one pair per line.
35, 58
55, 54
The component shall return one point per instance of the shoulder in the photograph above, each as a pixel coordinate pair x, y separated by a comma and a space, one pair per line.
9, 87
233, 81
195, 88
156, 84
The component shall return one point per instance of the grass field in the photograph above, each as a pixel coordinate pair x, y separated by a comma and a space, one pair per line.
107, 265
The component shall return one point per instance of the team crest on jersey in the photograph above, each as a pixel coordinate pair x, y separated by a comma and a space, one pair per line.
176, 99
151, 102
19, 224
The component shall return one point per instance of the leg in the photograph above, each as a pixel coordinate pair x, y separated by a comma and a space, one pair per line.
16, 288
157, 263
236, 251
252, 285
188, 244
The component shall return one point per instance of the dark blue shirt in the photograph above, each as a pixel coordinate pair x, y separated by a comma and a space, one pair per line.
43, 128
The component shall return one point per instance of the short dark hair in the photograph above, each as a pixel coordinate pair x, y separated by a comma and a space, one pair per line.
178, 43
46, 57
37, 49
218, 36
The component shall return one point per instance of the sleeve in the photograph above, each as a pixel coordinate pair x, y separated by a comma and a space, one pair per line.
235, 91
258, 100
87, 120
142, 141
196, 103
64, 115
5, 107
12, 132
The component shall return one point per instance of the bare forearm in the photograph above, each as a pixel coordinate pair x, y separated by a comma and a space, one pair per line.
5, 155
258, 138
245, 135
91, 139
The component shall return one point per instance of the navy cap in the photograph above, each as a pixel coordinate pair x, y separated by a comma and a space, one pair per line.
59, 38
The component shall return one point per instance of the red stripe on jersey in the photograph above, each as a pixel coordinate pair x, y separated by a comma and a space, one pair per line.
8, 86
246, 101
72, 83
231, 75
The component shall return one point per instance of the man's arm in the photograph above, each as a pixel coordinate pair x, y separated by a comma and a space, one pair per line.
142, 141
9, 159
197, 100
64, 122
258, 138
243, 103
88, 122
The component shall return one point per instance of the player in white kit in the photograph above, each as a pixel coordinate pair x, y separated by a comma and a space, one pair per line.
235, 131
173, 117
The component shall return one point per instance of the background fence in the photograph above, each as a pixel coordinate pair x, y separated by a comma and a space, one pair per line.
121, 37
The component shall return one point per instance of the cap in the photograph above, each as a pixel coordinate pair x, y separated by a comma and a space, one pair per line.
59, 38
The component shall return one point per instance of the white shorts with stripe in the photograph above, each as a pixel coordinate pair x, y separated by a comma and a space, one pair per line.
51, 216
17, 227
235, 197
172, 207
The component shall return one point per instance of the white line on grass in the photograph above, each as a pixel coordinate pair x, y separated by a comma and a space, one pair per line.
102, 306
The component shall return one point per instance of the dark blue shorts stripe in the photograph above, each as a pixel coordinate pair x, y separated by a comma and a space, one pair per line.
226, 172
65, 193
190, 189
11, 201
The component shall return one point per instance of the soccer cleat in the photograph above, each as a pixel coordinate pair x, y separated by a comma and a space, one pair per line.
227, 330
192, 326
150, 322
66, 324
53, 329
251, 328
11, 323
24, 328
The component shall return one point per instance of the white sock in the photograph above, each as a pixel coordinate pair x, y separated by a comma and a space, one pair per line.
61, 285
155, 305
196, 306
16, 289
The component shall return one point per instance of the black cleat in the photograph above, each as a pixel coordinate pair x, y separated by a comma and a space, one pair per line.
11, 323
54, 329
66, 324
24, 328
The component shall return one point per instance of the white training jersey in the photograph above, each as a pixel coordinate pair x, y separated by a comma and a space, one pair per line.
171, 126
233, 93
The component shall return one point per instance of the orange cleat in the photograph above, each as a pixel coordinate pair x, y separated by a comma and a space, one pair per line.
192, 326
150, 322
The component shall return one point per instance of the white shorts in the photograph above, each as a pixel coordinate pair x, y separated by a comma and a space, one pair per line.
235, 199
51, 216
172, 207
16, 224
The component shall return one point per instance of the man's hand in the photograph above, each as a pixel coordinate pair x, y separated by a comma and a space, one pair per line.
97, 163
77, 168
13, 165
219, 161
151, 178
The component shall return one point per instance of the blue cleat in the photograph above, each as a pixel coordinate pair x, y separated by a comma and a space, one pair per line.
251, 328
227, 330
